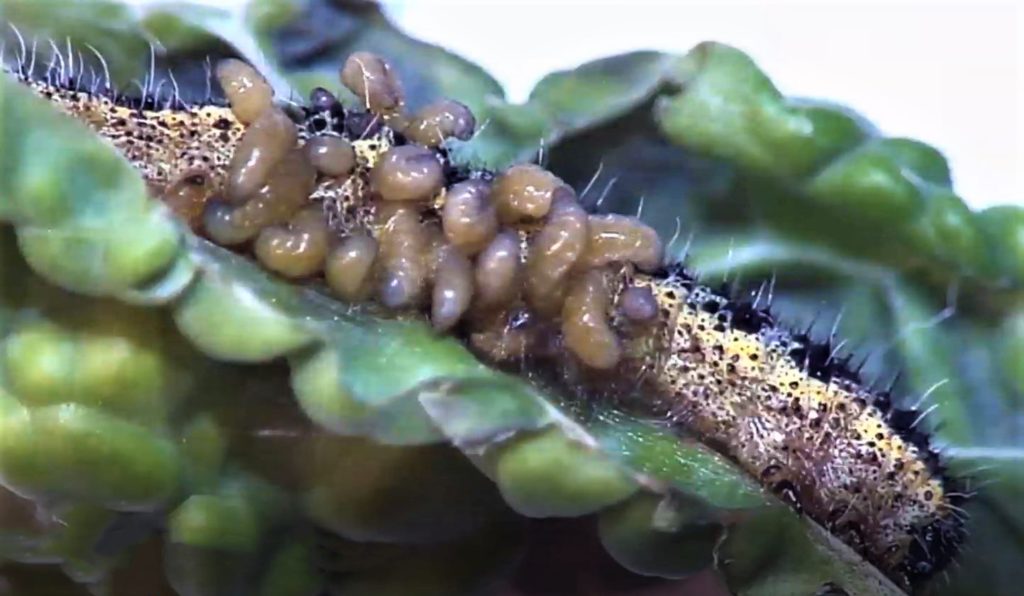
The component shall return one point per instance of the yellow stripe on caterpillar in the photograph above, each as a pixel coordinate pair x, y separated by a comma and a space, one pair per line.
533, 283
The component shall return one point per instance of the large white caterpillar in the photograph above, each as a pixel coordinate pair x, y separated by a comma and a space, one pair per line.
367, 199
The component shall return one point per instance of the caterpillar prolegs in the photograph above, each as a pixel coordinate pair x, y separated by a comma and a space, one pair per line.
367, 199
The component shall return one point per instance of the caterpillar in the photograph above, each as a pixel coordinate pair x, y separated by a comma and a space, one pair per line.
367, 199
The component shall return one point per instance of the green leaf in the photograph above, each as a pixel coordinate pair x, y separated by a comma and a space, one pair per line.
804, 191
385, 369
996, 522
768, 555
635, 533
310, 41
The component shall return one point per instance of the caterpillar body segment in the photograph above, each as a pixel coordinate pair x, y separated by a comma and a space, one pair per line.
367, 199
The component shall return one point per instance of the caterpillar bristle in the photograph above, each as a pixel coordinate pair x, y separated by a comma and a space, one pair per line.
69, 69
367, 201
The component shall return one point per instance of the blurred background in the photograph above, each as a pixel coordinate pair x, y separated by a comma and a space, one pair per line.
948, 73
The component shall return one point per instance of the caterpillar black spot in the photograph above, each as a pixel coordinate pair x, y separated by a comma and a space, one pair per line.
367, 198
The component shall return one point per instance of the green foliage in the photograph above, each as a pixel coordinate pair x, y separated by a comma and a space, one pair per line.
147, 375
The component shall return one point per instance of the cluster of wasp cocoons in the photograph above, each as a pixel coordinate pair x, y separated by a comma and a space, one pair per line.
368, 199
365, 200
